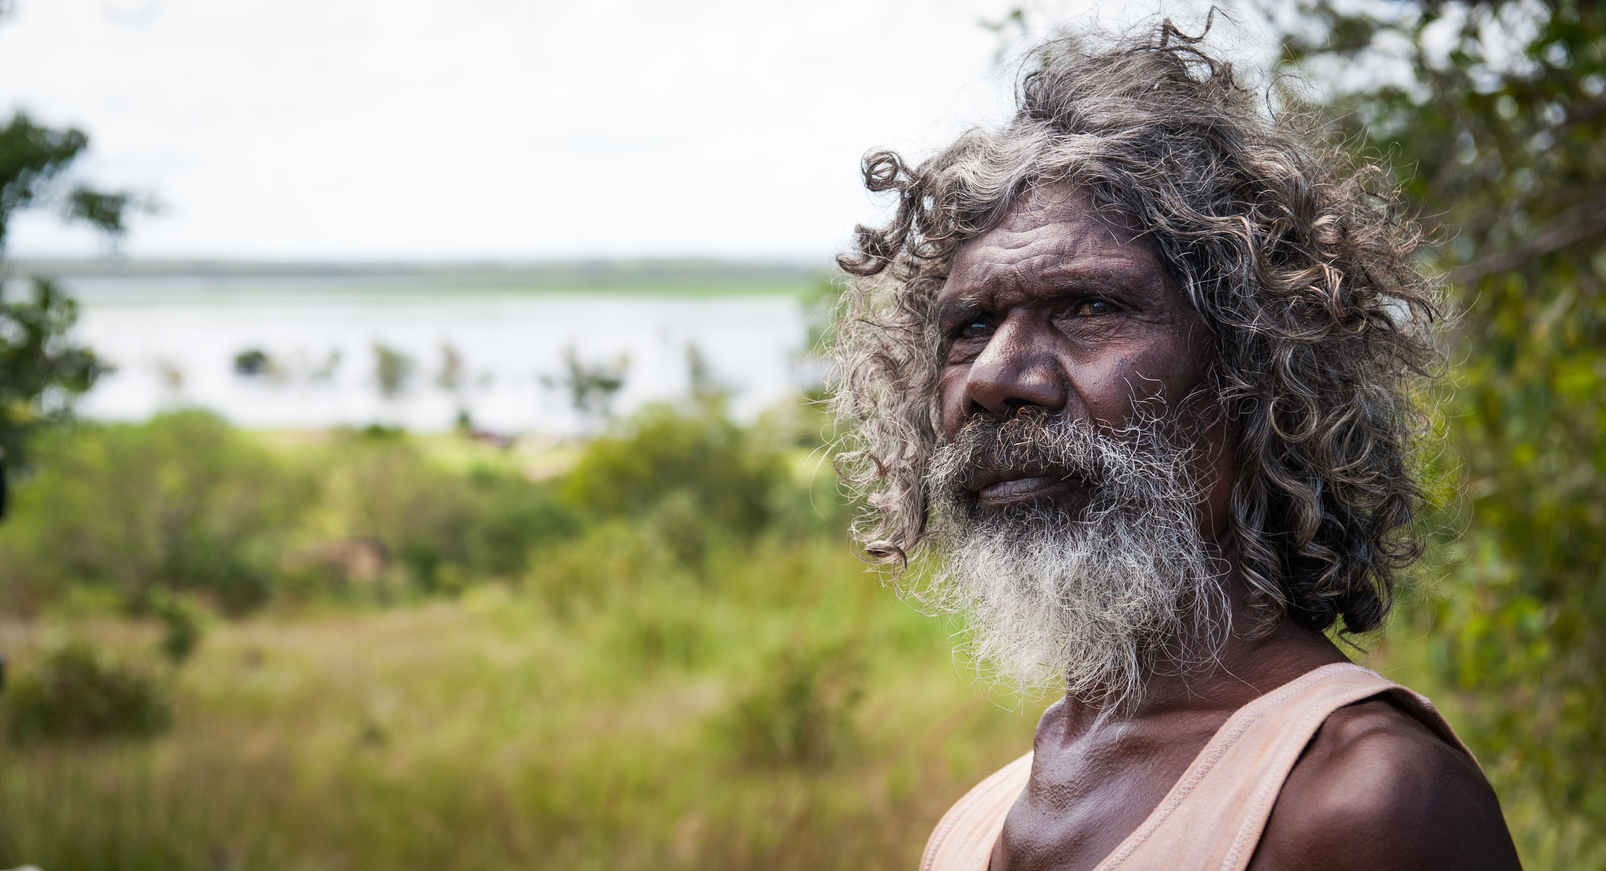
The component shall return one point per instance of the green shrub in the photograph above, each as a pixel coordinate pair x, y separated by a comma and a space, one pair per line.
798, 708
77, 690
377, 486
183, 624
187, 505
705, 463
514, 517
436, 524
181, 502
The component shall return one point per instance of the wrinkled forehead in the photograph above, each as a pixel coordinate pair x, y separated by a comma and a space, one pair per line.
1067, 201
1057, 234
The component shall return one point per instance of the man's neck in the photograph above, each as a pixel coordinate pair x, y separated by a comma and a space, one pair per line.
1242, 669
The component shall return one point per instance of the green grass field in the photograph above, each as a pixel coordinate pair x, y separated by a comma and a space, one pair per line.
656, 650
791, 715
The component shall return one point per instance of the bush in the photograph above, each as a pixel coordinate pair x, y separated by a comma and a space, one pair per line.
79, 691
438, 525
182, 502
185, 505
798, 710
183, 624
514, 516
706, 464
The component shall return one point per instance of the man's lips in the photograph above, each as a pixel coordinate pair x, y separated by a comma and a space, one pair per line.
1005, 488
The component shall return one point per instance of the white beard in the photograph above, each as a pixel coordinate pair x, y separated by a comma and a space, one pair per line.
1096, 601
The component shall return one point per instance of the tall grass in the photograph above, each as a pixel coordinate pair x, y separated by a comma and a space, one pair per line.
778, 711
660, 654
662, 657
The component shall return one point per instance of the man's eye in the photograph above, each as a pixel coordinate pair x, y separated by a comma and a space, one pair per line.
976, 330
1095, 307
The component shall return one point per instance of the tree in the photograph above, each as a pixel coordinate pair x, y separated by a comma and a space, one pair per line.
40, 370
1495, 126
33, 164
591, 386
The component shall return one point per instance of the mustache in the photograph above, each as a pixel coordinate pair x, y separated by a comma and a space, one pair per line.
1029, 443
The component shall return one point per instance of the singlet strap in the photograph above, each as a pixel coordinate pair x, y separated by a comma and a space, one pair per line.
963, 840
1214, 816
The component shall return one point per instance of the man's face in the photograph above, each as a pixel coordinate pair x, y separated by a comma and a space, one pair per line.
1086, 468
1067, 312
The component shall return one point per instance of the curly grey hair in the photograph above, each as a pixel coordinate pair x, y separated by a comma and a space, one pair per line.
1300, 261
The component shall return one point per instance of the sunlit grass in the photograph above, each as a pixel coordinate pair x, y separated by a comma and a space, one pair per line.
659, 654
502, 730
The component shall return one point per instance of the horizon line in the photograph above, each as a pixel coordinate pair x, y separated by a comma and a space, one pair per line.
592, 268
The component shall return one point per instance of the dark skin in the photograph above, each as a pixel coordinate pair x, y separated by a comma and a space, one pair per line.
1071, 312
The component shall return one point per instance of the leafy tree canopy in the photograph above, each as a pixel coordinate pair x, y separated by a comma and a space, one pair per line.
1492, 115
40, 370
33, 163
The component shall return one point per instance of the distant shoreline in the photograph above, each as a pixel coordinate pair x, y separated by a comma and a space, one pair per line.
171, 280
566, 272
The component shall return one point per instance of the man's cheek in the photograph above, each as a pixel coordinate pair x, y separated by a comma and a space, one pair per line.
951, 398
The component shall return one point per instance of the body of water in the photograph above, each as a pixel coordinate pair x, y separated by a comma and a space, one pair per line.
303, 352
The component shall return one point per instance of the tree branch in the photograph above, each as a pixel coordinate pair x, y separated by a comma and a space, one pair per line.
1564, 231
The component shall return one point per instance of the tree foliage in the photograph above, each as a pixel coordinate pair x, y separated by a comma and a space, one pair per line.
34, 160
1493, 118
40, 370
181, 503
704, 465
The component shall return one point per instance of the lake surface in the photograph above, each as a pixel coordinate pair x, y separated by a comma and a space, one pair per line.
496, 354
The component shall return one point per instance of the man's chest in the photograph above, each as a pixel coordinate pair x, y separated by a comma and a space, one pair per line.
1086, 797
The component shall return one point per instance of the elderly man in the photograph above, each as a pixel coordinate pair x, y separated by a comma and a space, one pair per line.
1138, 372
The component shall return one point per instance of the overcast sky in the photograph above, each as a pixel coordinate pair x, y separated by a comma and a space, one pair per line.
499, 129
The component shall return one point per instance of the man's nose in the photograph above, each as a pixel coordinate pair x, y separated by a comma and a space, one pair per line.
1014, 372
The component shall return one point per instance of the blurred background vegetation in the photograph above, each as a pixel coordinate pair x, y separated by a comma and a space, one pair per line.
651, 648
1494, 116
369, 649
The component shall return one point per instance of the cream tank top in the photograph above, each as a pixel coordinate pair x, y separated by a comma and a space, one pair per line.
1214, 815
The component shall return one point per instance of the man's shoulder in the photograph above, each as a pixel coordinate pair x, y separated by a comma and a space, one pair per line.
1377, 789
